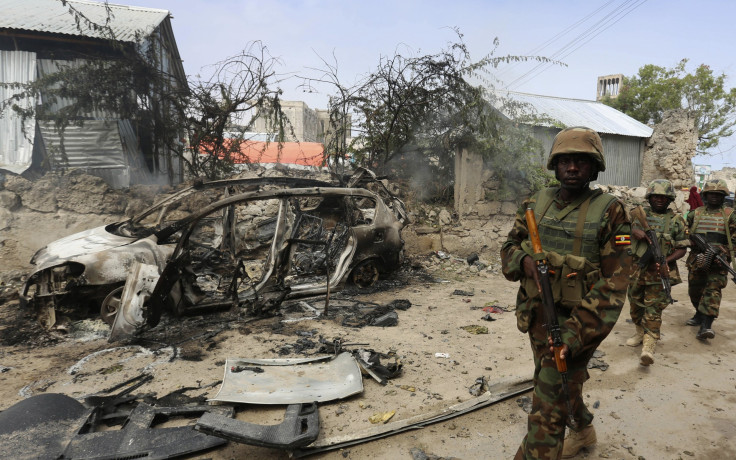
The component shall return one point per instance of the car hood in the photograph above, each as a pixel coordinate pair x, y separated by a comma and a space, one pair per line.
79, 244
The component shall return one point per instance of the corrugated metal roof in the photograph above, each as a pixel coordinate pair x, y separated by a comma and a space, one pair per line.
54, 17
579, 112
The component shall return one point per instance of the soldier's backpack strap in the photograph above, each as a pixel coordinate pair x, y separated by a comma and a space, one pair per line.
696, 220
726, 214
545, 198
667, 222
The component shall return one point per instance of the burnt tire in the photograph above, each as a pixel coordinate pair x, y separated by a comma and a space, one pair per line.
365, 274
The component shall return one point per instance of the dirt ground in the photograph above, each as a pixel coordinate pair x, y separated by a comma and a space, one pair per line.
678, 408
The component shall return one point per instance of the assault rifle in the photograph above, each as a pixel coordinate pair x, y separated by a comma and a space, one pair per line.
654, 252
712, 253
550, 310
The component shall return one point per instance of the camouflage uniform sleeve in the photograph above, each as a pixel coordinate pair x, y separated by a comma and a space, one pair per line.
511, 251
600, 309
679, 236
690, 220
732, 227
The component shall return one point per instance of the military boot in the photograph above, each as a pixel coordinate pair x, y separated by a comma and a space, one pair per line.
705, 331
647, 350
695, 320
636, 339
576, 440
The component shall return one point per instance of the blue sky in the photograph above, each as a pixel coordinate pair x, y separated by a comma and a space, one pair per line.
593, 38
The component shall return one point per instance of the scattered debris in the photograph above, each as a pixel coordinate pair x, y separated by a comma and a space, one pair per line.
493, 309
61, 427
479, 387
257, 370
370, 363
290, 380
386, 320
419, 454
136, 351
461, 292
472, 258
299, 428
475, 329
381, 417
488, 317
525, 402
442, 355
596, 362
399, 304
497, 392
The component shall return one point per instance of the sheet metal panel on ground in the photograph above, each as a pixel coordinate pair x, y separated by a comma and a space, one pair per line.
290, 381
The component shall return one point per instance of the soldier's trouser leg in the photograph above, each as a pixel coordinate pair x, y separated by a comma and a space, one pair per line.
636, 302
655, 301
704, 289
547, 419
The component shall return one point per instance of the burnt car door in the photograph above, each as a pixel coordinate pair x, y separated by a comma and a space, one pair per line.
227, 258
321, 244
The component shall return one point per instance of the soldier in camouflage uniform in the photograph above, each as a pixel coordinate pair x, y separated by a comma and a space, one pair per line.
706, 280
586, 238
647, 297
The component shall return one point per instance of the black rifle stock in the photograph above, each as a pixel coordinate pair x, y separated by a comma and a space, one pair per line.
550, 310
654, 251
705, 247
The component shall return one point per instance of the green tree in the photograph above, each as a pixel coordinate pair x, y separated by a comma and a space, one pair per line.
413, 112
654, 90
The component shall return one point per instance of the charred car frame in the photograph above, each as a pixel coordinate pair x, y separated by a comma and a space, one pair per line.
266, 240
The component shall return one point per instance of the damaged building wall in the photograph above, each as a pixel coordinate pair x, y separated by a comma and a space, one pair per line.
669, 152
34, 213
468, 180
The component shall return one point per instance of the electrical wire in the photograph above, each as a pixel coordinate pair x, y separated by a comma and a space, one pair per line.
558, 55
611, 18
544, 45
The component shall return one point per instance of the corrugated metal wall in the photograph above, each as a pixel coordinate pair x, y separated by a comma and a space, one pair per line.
15, 148
51, 66
623, 156
623, 160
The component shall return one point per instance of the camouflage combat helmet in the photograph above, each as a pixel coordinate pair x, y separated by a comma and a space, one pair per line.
577, 139
716, 185
661, 187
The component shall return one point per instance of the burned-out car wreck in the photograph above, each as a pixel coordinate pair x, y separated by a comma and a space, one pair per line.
249, 243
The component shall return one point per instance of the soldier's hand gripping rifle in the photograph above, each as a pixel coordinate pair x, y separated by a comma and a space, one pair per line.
550, 310
654, 251
711, 253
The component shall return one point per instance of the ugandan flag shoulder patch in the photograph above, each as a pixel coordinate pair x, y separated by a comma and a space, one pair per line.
623, 240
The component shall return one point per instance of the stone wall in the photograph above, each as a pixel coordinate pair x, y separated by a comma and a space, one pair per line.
669, 152
480, 231
35, 213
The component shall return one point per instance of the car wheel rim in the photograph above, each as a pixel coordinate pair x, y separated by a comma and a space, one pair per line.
110, 305
365, 274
